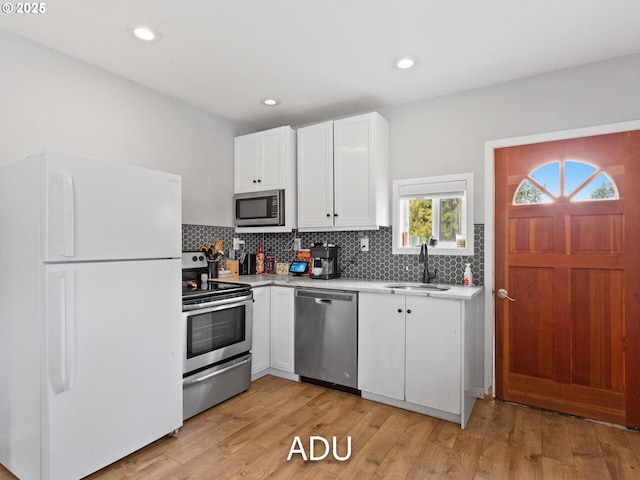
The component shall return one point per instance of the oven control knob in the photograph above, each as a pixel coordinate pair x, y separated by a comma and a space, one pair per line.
194, 258
201, 257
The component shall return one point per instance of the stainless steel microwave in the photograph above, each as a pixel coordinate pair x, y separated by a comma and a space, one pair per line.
259, 209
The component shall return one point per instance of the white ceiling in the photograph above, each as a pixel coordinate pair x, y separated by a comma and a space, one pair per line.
327, 58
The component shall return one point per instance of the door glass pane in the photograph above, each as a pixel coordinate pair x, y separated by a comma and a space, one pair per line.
528, 193
549, 177
600, 188
575, 174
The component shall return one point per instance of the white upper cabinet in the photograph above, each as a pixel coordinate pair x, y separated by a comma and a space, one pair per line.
343, 174
265, 161
261, 161
315, 176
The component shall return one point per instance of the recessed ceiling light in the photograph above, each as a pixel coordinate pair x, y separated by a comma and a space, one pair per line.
404, 63
270, 102
143, 32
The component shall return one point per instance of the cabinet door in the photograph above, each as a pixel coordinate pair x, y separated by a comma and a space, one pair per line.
282, 328
261, 329
354, 171
381, 344
271, 158
244, 163
315, 176
433, 353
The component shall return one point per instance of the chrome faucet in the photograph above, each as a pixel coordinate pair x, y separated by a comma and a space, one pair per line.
427, 276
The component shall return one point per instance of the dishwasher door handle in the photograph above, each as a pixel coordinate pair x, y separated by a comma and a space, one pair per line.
323, 301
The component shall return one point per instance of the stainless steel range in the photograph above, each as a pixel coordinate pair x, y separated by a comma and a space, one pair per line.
217, 319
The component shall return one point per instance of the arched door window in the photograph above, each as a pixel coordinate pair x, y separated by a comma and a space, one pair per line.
576, 181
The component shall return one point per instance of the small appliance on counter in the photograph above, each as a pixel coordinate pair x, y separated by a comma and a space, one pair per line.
247, 264
298, 268
325, 261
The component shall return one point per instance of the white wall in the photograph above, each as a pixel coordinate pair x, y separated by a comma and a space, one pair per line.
49, 101
447, 134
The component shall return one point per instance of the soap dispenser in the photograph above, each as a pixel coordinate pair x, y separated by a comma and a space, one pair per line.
468, 276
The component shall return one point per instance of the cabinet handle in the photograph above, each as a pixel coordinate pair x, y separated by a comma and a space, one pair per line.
399, 310
259, 180
328, 214
254, 181
409, 311
335, 214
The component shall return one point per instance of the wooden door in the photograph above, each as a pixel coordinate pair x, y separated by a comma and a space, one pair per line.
570, 341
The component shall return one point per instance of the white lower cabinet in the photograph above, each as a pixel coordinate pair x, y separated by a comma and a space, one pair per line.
381, 344
261, 332
420, 353
282, 324
432, 376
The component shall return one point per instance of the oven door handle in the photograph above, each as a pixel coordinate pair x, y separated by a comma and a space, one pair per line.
189, 382
217, 303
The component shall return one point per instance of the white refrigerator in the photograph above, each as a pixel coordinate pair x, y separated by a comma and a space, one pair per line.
90, 309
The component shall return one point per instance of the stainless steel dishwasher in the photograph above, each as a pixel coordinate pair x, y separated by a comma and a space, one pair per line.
326, 336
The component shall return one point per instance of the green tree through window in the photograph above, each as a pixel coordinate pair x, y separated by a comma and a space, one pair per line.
450, 215
420, 218
605, 190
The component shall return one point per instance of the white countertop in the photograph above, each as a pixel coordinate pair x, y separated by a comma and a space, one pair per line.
456, 292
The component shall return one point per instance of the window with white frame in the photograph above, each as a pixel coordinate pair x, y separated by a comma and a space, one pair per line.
433, 210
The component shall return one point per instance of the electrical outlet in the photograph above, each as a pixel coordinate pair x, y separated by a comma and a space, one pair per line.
237, 243
364, 244
297, 244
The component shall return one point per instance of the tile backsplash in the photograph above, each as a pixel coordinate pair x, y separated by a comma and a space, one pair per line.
378, 263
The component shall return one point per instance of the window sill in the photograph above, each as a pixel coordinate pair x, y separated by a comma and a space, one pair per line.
435, 251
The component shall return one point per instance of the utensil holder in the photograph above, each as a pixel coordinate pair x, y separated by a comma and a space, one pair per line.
213, 269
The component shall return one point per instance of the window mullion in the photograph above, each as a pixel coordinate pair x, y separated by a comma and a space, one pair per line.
435, 218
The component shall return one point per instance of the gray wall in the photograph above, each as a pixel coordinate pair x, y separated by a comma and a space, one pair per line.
49, 101
447, 134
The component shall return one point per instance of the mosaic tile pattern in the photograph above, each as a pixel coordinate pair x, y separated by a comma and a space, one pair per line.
378, 263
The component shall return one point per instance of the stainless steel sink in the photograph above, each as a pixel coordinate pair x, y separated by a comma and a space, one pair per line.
418, 287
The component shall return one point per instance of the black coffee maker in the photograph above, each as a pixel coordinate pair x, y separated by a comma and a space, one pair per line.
247, 264
325, 261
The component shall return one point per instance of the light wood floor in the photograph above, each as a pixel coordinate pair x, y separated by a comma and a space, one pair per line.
249, 437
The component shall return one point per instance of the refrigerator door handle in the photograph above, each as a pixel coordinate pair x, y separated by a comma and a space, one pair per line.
67, 330
69, 218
